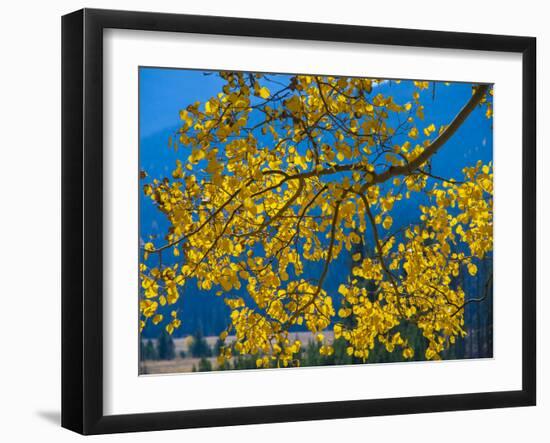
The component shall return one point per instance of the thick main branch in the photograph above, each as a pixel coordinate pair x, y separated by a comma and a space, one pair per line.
438, 142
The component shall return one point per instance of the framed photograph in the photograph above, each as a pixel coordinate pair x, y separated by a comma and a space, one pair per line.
269, 221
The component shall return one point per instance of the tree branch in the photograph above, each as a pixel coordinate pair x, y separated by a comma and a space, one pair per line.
438, 142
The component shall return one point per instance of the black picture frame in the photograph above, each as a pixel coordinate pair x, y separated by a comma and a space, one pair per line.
82, 215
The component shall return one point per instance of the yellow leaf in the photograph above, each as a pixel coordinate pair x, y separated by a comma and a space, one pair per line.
264, 92
408, 353
148, 307
344, 312
226, 284
250, 206
429, 130
293, 104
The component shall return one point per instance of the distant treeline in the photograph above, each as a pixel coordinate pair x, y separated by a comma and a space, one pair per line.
163, 348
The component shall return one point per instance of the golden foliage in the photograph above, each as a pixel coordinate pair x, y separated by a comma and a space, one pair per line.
275, 179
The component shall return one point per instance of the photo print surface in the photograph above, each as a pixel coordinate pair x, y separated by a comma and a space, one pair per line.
297, 220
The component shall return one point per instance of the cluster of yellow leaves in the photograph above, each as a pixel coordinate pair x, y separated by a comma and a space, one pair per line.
159, 288
274, 179
415, 284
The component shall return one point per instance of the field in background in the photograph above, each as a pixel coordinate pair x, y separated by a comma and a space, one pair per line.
187, 363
